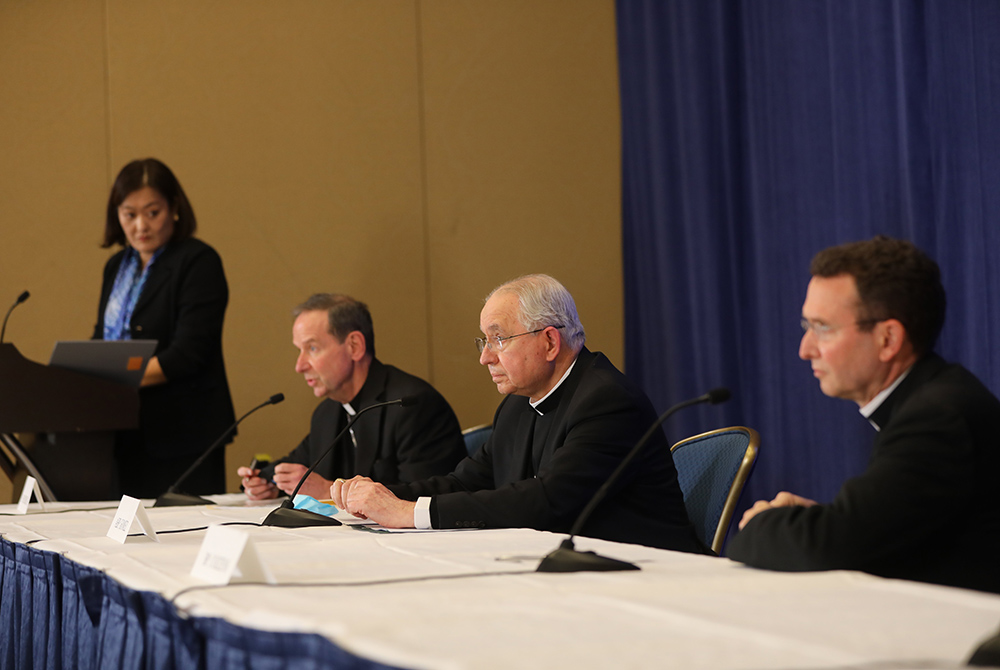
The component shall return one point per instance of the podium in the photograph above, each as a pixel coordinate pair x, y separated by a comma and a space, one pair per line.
80, 411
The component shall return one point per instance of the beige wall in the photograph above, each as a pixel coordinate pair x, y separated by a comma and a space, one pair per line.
411, 153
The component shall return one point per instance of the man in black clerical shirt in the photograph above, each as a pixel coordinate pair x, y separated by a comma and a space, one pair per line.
336, 342
567, 420
926, 506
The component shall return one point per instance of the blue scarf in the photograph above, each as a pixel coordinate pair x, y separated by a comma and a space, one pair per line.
125, 294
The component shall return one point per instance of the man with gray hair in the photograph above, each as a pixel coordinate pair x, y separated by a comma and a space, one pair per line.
568, 419
336, 342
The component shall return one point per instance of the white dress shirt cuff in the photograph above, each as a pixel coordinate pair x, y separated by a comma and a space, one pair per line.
422, 513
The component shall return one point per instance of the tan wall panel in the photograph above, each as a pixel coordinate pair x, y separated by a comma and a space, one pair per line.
52, 166
522, 169
294, 128
53, 161
413, 154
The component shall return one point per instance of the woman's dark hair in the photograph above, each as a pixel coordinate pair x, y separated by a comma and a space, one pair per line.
153, 173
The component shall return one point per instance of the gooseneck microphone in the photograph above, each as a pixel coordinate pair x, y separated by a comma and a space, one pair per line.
21, 298
286, 516
566, 558
987, 653
172, 498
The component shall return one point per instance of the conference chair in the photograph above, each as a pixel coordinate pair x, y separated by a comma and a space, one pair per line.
712, 469
476, 437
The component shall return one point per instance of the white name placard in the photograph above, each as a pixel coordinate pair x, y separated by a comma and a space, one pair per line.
129, 511
30, 486
227, 555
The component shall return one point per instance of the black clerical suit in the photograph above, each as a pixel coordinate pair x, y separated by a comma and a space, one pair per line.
394, 444
926, 508
540, 470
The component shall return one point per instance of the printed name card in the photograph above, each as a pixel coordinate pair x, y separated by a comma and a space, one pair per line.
129, 511
30, 486
227, 555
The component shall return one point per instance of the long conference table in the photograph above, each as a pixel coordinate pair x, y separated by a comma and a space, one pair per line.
347, 597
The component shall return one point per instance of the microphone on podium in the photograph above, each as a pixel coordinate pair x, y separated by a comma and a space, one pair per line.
21, 298
172, 498
286, 516
566, 558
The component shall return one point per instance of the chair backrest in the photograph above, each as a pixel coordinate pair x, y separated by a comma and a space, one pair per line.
476, 437
711, 470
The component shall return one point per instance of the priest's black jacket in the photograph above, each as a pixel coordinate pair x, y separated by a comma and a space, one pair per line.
926, 508
538, 469
394, 444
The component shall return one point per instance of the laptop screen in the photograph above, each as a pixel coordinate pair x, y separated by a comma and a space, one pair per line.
121, 361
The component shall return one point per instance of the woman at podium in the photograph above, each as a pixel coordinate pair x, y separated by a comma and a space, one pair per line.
167, 286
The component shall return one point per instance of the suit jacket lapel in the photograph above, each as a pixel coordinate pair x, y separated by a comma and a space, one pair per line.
922, 370
554, 410
158, 277
368, 429
525, 437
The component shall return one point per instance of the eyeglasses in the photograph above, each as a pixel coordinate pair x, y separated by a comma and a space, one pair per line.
825, 331
496, 343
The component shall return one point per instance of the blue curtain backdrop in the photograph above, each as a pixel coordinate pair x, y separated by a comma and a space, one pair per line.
756, 133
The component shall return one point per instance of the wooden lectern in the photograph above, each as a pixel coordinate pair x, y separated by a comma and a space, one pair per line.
79, 413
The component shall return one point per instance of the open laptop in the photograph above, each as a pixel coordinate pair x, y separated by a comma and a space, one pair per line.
121, 361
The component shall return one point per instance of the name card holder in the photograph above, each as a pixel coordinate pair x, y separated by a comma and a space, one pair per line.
30, 486
228, 556
130, 510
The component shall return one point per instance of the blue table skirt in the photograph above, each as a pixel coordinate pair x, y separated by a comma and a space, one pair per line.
59, 614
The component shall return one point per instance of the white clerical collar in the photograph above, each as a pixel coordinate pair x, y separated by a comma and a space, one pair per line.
347, 408
534, 405
877, 401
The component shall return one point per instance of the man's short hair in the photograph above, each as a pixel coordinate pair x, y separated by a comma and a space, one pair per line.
344, 316
895, 280
542, 302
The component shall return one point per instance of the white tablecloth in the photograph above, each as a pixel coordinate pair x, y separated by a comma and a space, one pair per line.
678, 611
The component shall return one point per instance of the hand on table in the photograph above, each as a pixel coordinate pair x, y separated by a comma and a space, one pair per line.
287, 476
366, 499
256, 487
783, 499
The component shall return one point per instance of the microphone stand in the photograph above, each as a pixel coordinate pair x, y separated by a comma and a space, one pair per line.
173, 498
566, 558
21, 298
286, 516
986, 653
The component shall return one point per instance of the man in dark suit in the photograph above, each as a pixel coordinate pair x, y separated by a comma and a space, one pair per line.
926, 507
567, 421
336, 342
